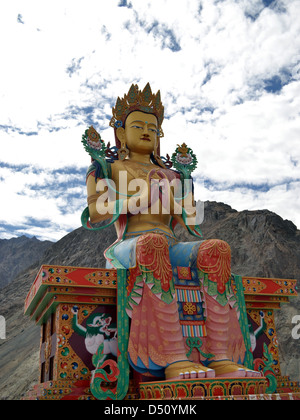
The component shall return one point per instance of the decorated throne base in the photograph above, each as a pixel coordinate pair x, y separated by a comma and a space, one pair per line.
65, 301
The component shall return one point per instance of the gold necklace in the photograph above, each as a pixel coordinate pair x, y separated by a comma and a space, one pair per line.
136, 173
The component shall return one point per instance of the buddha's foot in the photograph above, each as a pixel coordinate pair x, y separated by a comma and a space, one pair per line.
229, 369
188, 370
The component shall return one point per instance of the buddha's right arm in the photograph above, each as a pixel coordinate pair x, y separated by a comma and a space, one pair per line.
99, 207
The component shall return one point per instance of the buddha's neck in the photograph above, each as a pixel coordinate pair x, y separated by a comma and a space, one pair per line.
139, 157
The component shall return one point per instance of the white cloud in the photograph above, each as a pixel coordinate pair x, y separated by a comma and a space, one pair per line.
40, 202
254, 141
66, 63
281, 199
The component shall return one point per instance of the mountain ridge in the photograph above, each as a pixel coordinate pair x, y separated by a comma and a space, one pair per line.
17, 254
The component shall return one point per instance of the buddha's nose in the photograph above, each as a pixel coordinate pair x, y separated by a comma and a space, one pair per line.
146, 131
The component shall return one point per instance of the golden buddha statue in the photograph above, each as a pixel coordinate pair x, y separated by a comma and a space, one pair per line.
180, 299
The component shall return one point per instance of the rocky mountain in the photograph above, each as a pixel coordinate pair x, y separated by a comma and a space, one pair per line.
262, 243
17, 254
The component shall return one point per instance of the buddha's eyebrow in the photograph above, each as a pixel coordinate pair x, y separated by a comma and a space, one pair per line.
143, 122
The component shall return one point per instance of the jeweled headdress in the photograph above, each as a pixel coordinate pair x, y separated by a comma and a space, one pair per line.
136, 100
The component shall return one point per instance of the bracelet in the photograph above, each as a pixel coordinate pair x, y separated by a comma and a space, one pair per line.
93, 198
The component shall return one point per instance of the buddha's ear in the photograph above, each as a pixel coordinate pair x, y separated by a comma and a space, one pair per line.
120, 133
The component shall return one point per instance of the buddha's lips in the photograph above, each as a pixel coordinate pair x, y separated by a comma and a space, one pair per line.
145, 138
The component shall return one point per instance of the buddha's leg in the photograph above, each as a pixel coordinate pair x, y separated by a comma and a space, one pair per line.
214, 258
217, 325
156, 343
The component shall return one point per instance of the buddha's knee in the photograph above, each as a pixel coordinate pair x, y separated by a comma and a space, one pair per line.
152, 254
152, 245
213, 253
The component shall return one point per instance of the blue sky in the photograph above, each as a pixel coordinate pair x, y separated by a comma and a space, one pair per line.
229, 75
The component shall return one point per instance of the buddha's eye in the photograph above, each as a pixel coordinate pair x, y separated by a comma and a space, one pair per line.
137, 126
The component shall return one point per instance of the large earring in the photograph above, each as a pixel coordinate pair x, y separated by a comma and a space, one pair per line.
123, 152
157, 154
156, 148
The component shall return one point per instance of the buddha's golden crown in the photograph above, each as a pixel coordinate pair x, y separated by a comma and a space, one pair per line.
137, 100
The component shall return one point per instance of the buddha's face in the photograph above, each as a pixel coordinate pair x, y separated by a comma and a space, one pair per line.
140, 132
